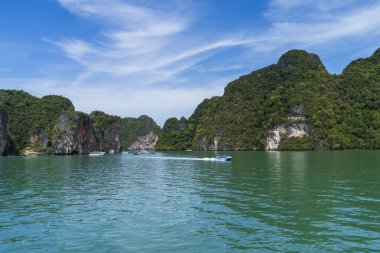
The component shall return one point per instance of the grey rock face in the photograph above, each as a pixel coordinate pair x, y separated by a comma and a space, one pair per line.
3, 132
64, 138
182, 124
85, 136
214, 144
146, 142
110, 138
39, 139
74, 134
274, 137
293, 128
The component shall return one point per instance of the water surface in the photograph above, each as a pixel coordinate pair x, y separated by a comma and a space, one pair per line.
180, 202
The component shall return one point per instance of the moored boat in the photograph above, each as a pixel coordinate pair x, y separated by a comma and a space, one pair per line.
97, 153
32, 153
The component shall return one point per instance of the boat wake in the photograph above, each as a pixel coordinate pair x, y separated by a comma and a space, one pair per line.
183, 158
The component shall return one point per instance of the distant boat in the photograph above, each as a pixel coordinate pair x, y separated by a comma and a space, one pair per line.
224, 158
97, 153
31, 153
140, 152
112, 151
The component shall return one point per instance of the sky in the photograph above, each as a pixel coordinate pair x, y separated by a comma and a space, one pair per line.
163, 57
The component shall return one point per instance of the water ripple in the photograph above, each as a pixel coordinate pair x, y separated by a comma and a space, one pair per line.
182, 202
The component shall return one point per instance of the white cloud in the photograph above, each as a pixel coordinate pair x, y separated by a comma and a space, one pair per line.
313, 9
139, 40
303, 24
151, 42
74, 48
135, 38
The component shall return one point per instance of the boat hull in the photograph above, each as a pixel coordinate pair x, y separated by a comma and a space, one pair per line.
224, 158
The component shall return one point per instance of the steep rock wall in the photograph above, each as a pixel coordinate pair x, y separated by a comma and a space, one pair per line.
74, 134
213, 144
146, 142
64, 138
84, 131
3, 132
39, 139
277, 133
110, 138
294, 127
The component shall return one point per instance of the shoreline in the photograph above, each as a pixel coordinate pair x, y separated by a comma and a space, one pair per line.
205, 151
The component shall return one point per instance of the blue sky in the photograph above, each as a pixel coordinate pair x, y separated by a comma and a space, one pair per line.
162, 58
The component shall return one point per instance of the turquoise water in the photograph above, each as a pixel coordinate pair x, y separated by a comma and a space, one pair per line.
177, 202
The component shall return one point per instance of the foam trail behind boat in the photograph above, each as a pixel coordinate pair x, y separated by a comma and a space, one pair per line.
182, 158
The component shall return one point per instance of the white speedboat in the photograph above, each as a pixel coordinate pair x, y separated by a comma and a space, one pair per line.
223, 158
141, 152
97, 153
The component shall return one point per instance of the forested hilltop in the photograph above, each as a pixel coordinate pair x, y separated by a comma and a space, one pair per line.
51, 125
140, 133
292, 105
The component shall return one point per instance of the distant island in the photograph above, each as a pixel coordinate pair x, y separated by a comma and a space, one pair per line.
292, 105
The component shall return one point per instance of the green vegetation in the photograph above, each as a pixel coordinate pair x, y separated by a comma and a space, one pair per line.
29, 115
343, 111
32, 120
102, 120
175, 135
45, 150
298, 143
135, 127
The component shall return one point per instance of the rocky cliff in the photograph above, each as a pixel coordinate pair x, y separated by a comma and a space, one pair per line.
39, 139
79, 133
51, 125
139, 132
3, 132
293, 127
31, 119
74, 134
110, 139
146, 142
108, 131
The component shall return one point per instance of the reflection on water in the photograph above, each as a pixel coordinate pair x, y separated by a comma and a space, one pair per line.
182, 202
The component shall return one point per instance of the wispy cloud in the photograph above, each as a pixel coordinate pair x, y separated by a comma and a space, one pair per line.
140, 39
322, 21
134, 38
152, 42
